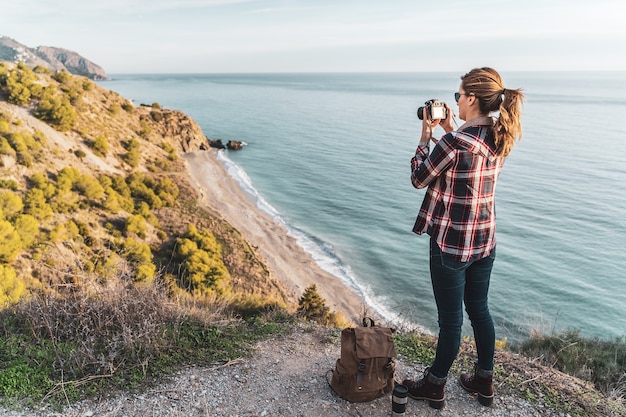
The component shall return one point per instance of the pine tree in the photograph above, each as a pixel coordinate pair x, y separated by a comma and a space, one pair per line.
312, 306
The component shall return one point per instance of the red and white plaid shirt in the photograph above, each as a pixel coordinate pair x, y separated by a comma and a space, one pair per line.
461, 172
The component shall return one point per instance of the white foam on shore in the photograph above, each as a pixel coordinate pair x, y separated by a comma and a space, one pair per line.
321, 252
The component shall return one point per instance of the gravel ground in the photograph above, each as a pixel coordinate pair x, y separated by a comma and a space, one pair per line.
284, 377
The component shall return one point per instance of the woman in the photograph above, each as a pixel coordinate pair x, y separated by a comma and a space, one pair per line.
458, 212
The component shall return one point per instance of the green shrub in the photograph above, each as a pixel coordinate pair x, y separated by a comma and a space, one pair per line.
161, 235
132, 158
145, 129
65, 202
145, 273
139, 255
143, 209
142, 189
6, 148
106, 267
84, 231
132, 145
40, 137
136, 224
36, 205
89, 187
62, 77
112, 201
171, 151
58, 112
100, 145
118, 193
28, 228
200, 256
12, 289
70, 178
42, 70
5, 127
114, 108
167, 191
25, 147
120, 185
36, 92
10, 242
19, 94
18, 85
128, 107
64, 232
38, 180
9, 184
67, 177
11, 204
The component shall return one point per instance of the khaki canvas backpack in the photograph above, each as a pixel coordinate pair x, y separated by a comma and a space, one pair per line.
366, 367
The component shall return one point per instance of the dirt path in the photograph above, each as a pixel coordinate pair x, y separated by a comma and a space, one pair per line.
285, 377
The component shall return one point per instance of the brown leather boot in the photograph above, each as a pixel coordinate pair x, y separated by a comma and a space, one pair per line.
428, 388
481, 383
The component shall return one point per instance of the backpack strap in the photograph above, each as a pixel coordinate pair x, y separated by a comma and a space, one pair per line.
361, 372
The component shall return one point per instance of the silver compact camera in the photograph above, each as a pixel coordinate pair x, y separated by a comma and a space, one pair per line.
436, 108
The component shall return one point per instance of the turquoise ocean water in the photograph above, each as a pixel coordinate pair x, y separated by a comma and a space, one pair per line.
328, 156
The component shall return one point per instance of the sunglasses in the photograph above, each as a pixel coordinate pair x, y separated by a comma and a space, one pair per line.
457, 96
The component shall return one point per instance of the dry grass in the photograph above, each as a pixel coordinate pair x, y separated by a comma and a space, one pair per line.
82, 340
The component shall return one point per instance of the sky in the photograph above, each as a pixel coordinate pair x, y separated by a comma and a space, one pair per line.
250, 36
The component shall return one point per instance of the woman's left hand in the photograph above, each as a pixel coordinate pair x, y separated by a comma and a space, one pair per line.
446, 124
428, 126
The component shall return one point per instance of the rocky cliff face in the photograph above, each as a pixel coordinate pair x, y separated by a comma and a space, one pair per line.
175, 124
53, 58
73, 62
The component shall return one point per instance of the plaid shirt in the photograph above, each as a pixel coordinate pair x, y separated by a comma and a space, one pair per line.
458, 210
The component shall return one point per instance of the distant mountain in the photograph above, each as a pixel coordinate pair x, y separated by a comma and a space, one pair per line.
50, 57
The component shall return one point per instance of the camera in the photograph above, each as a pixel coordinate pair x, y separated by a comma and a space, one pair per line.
436, 108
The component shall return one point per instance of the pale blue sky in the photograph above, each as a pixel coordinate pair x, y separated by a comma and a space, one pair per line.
181, 36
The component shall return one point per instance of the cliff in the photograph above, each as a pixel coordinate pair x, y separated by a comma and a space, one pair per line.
55, 59
124, 166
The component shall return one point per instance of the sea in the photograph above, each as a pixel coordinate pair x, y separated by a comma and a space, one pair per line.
328, 156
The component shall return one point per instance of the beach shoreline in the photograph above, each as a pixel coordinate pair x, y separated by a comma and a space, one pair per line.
288, 262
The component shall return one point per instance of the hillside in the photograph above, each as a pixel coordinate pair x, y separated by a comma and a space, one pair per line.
98, 186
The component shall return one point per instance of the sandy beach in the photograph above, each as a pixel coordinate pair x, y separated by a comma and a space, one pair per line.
287, 261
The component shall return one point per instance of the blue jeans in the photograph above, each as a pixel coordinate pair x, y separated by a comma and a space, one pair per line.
455, 283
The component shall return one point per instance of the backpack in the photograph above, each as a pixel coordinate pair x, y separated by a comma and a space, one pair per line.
366, 368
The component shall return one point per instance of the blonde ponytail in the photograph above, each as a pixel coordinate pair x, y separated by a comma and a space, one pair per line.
508, 126
486, 84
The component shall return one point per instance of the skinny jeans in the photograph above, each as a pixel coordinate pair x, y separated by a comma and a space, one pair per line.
454, 284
